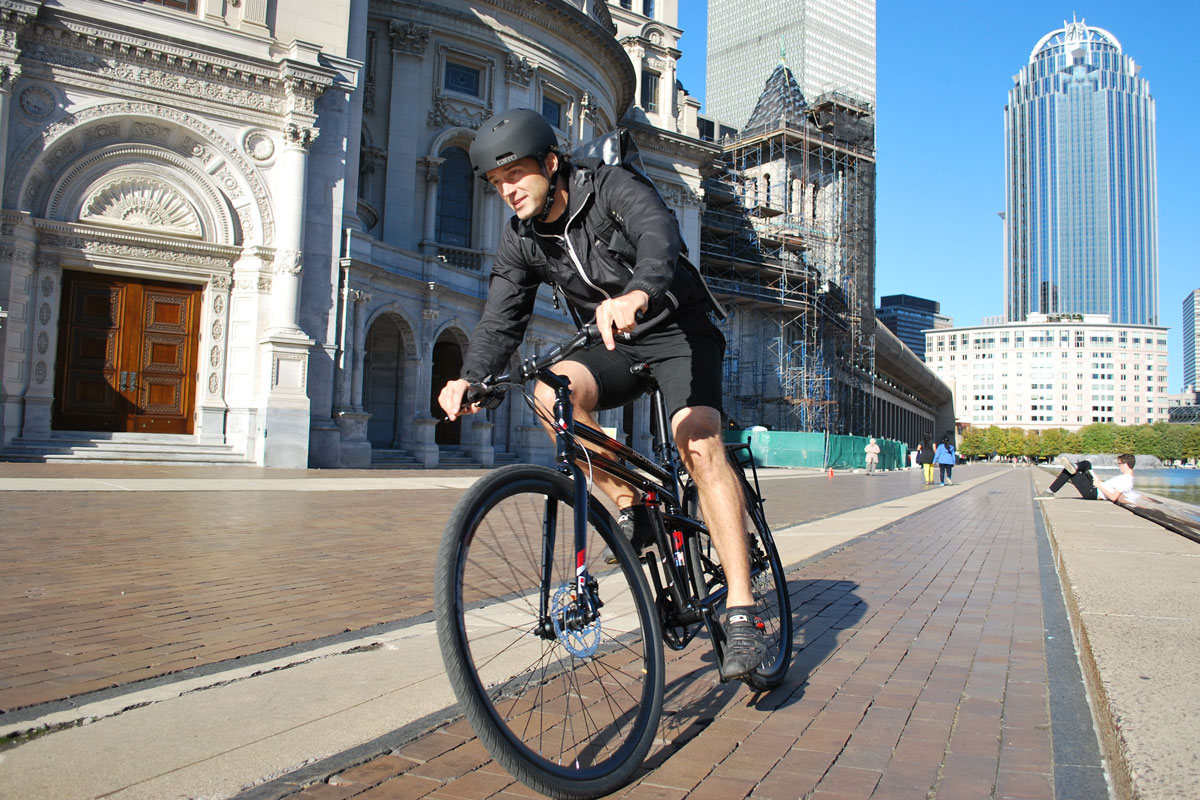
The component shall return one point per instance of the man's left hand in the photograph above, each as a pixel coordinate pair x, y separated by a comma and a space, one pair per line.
620, 314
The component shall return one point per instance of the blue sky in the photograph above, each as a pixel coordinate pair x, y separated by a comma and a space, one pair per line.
944, 70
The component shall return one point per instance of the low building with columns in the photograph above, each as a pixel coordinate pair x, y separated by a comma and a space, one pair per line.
248, 232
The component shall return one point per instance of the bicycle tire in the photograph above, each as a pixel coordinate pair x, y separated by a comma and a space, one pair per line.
768, 584
565, 721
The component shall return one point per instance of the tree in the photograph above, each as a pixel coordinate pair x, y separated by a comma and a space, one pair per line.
1014, 442
1072, 442
1191, 441
1053, 443
1125, 440
1098, 438
1171, 441
974, 443
995, 439
1032, 444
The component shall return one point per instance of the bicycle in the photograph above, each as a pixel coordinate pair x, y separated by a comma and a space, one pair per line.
555, 656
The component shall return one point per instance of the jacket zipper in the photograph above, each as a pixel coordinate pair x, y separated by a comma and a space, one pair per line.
574, 256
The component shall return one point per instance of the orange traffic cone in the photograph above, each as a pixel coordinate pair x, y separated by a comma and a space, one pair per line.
831, 472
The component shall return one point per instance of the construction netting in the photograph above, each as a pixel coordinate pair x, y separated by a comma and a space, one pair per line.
819, 450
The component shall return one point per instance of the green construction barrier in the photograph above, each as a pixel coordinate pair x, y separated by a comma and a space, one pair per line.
804, 449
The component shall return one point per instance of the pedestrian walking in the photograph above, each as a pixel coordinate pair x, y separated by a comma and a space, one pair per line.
925, 459
872, 451
945, 457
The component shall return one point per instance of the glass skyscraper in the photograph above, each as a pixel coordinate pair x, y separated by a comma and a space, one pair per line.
828, 44
1081, 231
1191, 337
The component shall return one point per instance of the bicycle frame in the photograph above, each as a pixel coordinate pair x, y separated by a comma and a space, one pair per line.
662, 488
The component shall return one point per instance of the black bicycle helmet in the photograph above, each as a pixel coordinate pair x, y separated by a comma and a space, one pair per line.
509, 137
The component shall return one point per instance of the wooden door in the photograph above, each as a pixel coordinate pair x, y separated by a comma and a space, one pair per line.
127, 355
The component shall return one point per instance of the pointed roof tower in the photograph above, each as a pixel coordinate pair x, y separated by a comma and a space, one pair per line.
780, 103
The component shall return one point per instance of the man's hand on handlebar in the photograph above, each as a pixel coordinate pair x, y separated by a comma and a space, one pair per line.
620, 314
451, 399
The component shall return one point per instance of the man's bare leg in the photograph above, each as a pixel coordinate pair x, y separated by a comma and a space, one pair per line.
697, 433
585, 396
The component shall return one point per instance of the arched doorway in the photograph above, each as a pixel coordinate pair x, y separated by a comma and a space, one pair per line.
447, 364
383, 374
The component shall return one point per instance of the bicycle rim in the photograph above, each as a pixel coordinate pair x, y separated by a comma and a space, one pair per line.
768, 584
571, 714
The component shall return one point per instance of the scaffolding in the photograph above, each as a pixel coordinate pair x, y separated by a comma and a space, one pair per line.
787, 241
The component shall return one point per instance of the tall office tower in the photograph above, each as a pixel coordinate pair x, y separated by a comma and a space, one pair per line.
828, 44
1081, 228
909, 317
1191, 336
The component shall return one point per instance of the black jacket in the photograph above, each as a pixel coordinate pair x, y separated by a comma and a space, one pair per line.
619, 237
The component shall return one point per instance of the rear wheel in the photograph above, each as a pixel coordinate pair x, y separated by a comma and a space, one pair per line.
767, 582
565, 698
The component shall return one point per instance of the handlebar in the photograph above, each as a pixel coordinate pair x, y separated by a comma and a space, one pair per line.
489, 392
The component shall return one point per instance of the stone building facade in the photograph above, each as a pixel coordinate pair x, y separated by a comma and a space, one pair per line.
253, 226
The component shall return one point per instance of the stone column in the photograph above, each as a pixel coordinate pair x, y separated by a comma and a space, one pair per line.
431, 166
45, 296
355, 447
408, 42
360, 300
289, 228
356, 48
8, 78
210, 411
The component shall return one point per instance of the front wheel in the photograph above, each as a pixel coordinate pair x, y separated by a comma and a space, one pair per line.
566, 697
767, 582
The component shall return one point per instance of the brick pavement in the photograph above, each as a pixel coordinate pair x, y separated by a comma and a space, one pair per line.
109, 588
921, 672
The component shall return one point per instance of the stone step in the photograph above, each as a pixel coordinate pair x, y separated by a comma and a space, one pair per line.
120, 448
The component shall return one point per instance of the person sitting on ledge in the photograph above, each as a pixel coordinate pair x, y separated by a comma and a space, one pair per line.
1080, 476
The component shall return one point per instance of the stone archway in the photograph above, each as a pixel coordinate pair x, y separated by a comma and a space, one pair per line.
383, 383
447, 365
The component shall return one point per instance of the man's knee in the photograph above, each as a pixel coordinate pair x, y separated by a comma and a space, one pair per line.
698, 438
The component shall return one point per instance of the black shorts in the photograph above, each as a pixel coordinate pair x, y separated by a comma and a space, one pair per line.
685, 358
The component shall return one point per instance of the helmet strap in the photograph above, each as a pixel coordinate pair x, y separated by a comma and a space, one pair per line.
550, 194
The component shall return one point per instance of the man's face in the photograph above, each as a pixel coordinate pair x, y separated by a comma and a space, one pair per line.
523, 184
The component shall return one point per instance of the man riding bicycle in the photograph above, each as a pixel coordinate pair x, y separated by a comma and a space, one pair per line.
609, 244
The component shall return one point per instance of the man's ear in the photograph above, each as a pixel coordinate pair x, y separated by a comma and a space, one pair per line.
552, 162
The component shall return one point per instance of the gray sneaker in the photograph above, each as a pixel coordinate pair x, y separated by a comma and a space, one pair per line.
1067, 465
744, 648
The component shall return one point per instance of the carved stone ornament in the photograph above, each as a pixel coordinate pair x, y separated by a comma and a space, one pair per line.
53, 141
214, 383
43, 343
44, 314
214, 355
37, 102
445, 112
47, 286
259, 146
408, 37
289, 262
219, 300
141, 202
300, 136
218, 330
39, 372
517, 70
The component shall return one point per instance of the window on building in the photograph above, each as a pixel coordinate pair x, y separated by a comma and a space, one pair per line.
552, 110
178, 5
650, 91
462, 79
648, 8
627, 5
455, 190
